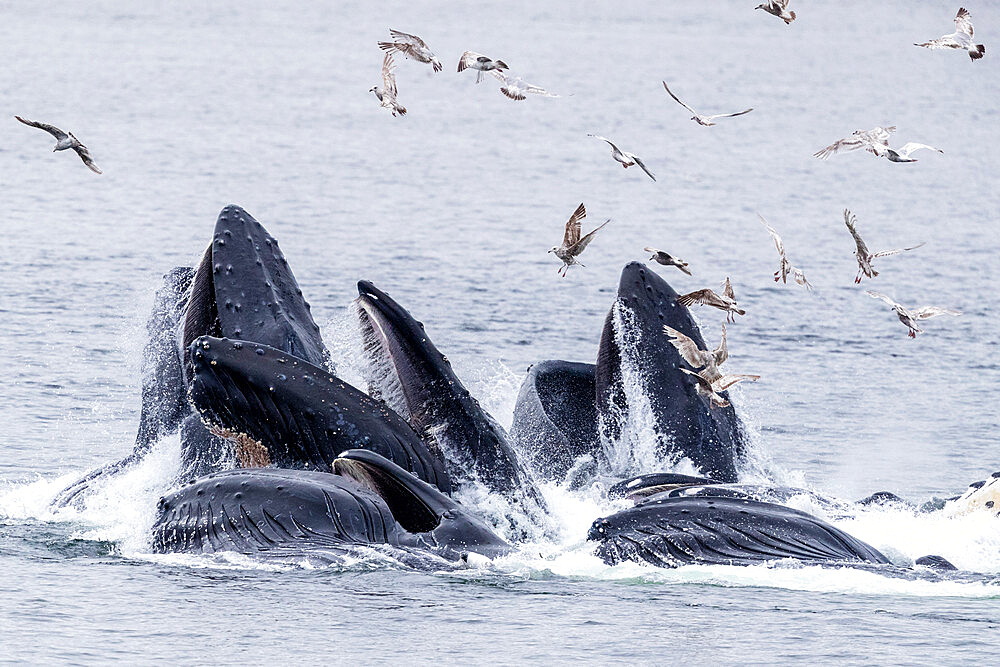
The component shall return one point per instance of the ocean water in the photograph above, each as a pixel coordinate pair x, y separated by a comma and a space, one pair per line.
190, 106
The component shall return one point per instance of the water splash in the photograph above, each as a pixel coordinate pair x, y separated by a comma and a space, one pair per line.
640, 445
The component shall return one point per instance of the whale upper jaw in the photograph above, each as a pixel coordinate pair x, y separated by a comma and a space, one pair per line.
244, 289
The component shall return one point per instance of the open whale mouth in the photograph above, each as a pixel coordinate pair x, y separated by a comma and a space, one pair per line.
431, 518
415, 506
380, 371
401, 358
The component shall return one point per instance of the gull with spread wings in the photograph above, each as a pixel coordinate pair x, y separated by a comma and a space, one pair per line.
707, 297
960, 39
624, 157
411, 46
386, 93
908, 316
573, 244
477, 61
710, 379
517, 88
785, 267
876, 142
661, 257
865, 256
704, 120
64, 140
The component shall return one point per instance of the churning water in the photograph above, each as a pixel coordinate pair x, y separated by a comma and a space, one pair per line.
189, 107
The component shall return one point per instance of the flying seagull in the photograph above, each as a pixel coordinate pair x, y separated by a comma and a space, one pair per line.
411, 46
697, 357
785, 267
661, 257
876, 142
624, 157
707, 297
386, 93
862, 253
698, 118
778, 8
516, 88
573, 244
710, 388
477, 61
710, 379
960, 39
910, 317
65, 140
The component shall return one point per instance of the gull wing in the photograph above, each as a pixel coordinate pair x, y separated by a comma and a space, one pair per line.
581, 245
851, 221
610, 143
774, 237
411, 40
963, 22
676, 99
642, 166
516, 88
727, 381
730, 115
946, 42
688, 349
51, 129
880, 134
889, 253
388, 78
878, 295
572, 234
721, 353
704, 297
727, 290
84, 154
852, 143
912, 146
928, 312
467, 60
800, 277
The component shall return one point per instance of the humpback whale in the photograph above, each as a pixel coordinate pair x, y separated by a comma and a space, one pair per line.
563, 406
244, 288
297, 514
673, 531
284, 411
438, 405
686, 423
555, 416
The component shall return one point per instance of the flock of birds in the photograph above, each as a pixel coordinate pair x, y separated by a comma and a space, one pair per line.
710, 379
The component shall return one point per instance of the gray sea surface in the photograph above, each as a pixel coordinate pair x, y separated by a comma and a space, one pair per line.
189, 106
